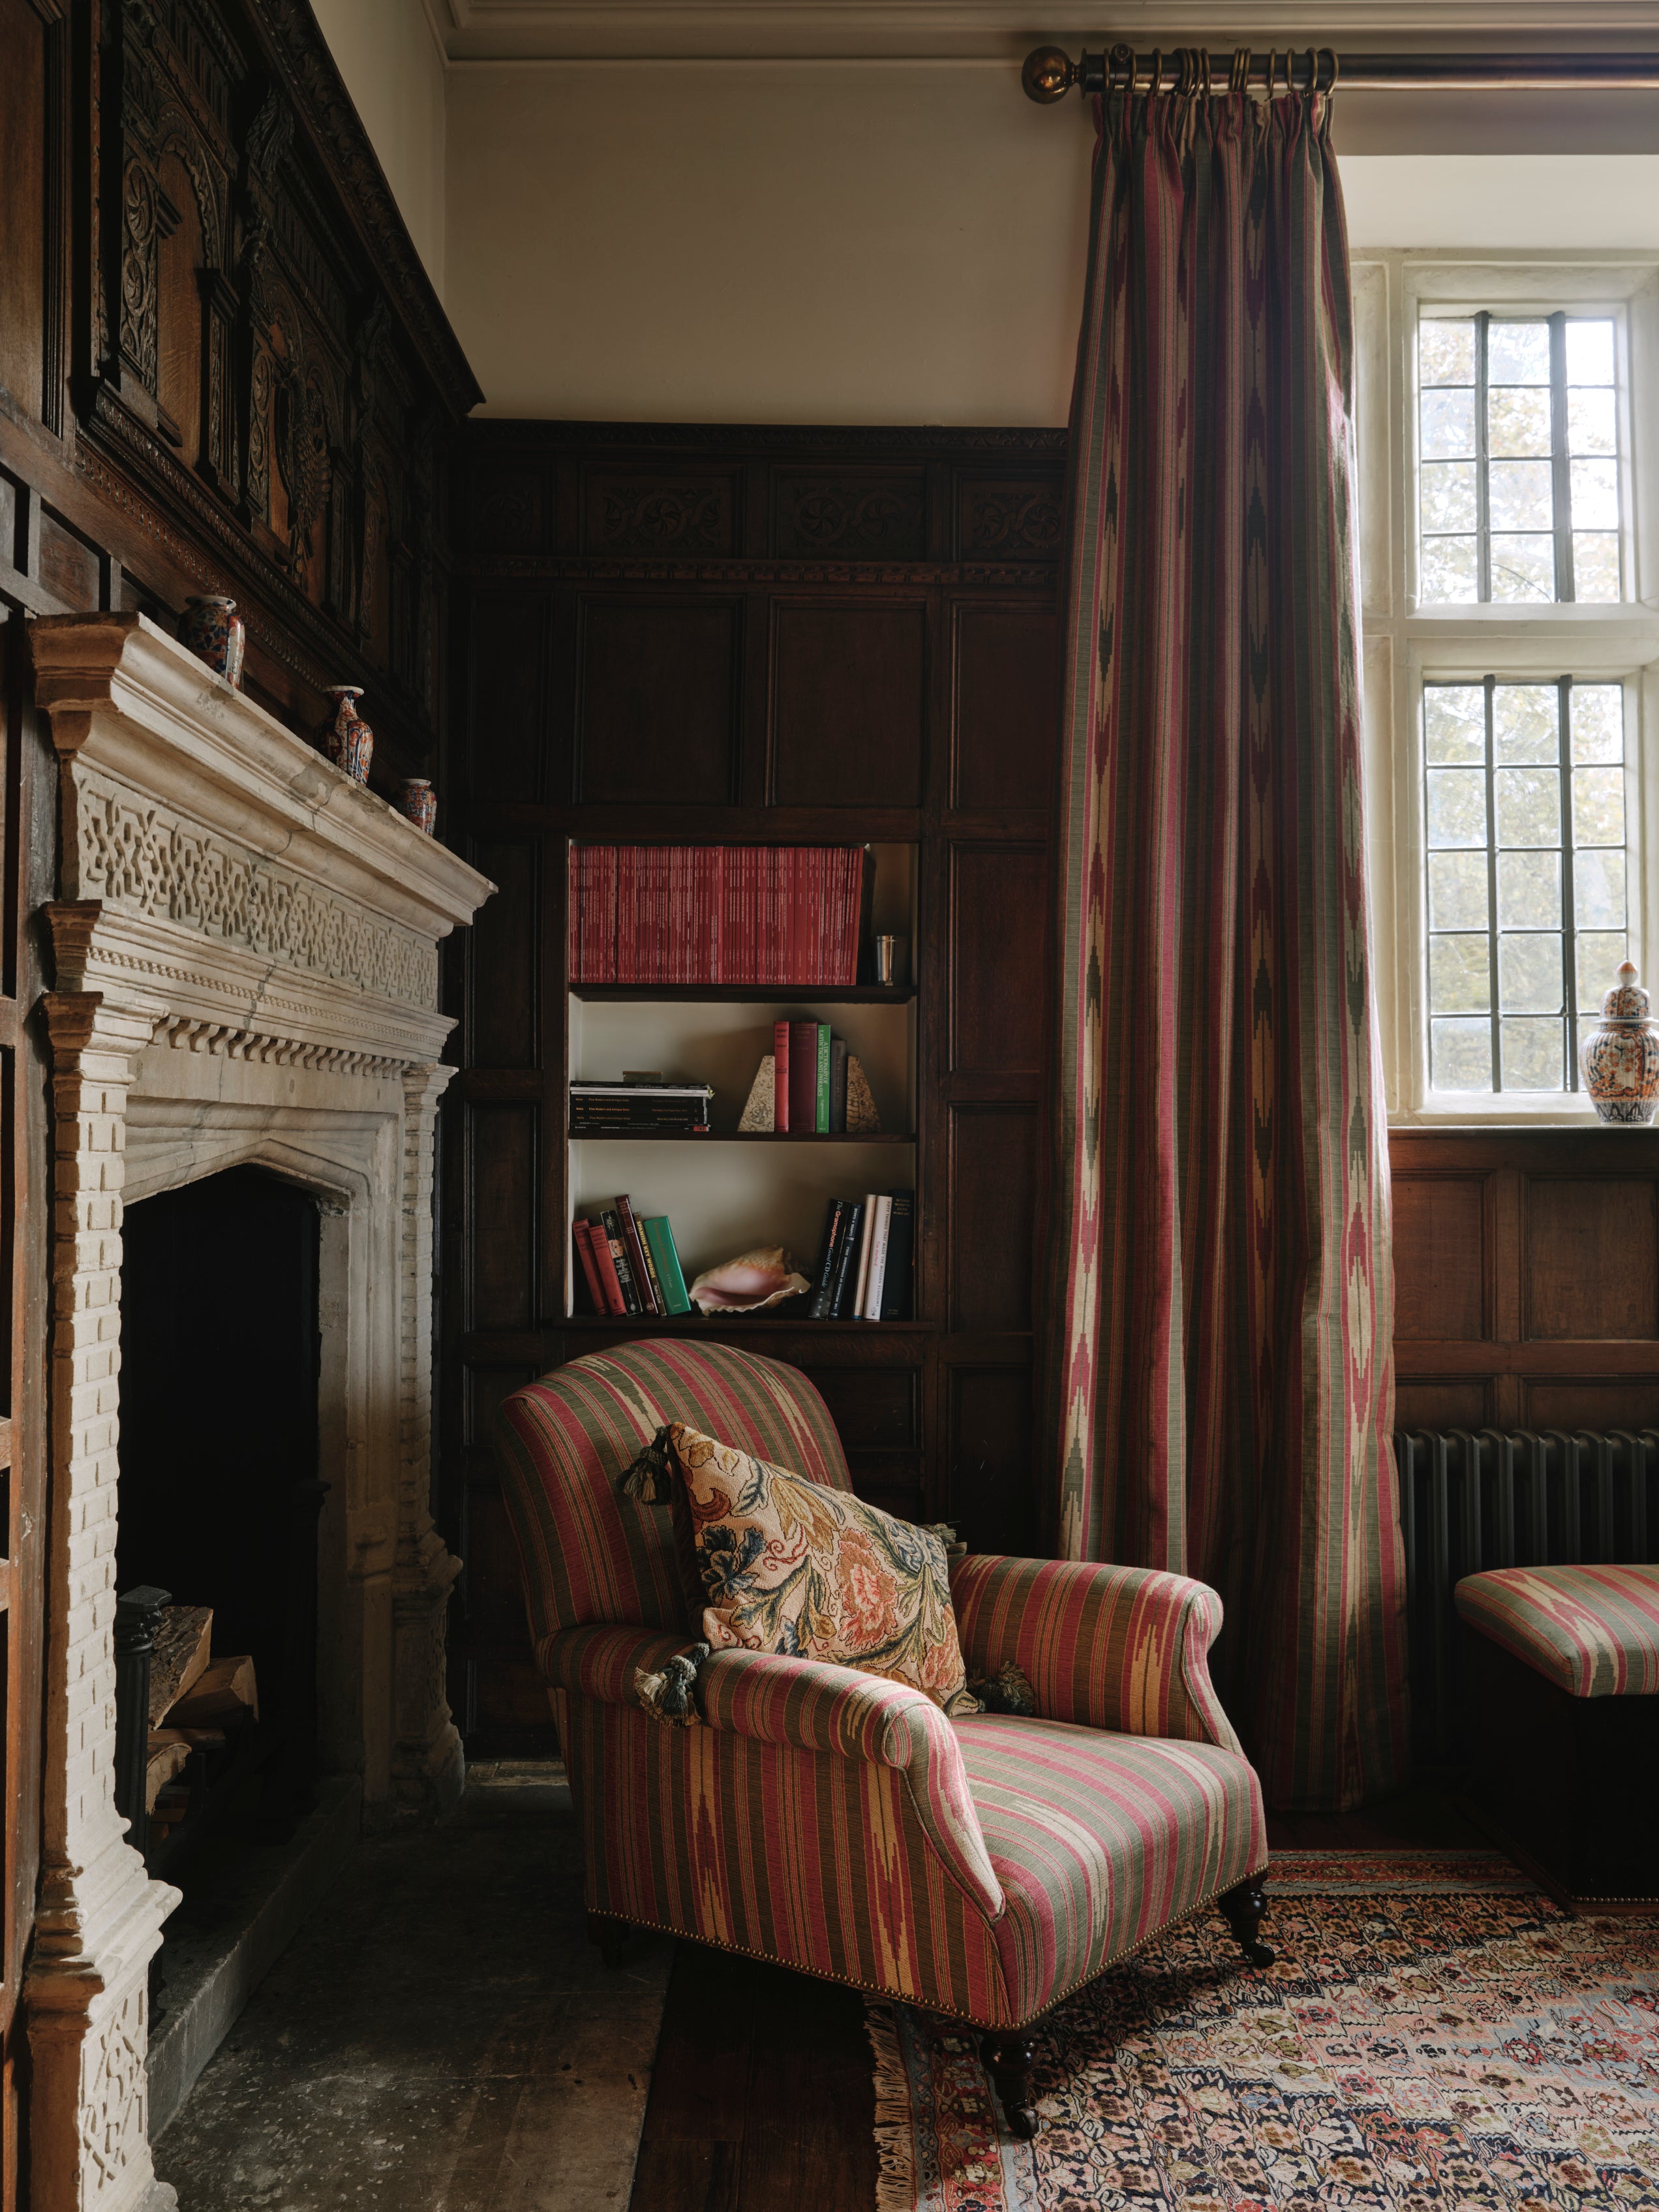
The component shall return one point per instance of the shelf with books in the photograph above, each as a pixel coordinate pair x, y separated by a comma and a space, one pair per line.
738, 1137
747, 994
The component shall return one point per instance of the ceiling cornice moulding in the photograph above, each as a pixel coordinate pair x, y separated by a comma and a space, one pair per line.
844, 30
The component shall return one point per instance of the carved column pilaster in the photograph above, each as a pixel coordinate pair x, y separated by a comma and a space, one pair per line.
99, 1918
427, 1764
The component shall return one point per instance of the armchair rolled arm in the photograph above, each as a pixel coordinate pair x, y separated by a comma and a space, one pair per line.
813, 1706
600, 1661
1110, 1647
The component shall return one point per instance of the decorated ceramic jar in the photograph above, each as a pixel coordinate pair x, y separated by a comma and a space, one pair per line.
346, 737
1620, 1056
213, 630
418, 800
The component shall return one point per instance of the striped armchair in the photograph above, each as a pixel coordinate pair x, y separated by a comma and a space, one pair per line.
838, 1822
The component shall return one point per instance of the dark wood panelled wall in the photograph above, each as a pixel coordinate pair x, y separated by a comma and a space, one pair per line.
686, 635
1527, 1278
221, 369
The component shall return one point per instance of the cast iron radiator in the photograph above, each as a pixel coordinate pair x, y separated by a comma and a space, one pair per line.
1508, 1499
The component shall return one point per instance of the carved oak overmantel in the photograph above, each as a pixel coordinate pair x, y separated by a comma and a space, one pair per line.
247, 971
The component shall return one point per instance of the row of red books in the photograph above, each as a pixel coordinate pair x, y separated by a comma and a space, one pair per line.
790, 914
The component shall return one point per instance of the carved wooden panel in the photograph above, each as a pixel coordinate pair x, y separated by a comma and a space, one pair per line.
68, 566
506, 508
1009, 518
658, 702
992, 1498
849, 705
502, 1146
646, 510
1591, 1265
861, 517
23, 36
1005, 699
1439, 1248
993, 1199
998, 941
502, 1017
514, 752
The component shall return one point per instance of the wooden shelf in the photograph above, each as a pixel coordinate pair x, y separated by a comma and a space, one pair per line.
690, 1322
758, 994
734, 1137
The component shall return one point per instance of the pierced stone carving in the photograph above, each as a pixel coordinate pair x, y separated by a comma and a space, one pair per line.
160, 864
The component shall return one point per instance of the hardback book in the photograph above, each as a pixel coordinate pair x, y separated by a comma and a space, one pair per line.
824, 1280
901, 1257
837, 1086
660, 1246
880, 1214
841, 1306
821, 1061
790, 914
589, 1266
598, 1241
803, 1078
636, 1259
619, 1261
865, 1240
781, 1075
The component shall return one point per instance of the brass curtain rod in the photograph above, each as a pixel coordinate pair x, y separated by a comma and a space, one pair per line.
1049, 73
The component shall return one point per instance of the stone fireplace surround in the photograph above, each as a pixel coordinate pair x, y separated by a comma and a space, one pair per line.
247, 973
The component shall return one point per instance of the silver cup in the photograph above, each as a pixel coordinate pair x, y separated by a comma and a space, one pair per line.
887, 959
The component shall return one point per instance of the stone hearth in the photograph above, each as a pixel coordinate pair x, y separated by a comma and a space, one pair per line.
247, 974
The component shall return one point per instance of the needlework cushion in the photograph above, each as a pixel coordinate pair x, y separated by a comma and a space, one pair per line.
791, 1566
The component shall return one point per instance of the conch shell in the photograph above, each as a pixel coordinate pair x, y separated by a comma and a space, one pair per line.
748, 1284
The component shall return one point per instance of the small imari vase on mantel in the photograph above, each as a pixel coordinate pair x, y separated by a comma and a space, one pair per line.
212, 629
1620, 1056
418, 800
346, 737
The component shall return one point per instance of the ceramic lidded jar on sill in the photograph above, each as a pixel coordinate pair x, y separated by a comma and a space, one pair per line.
1620, 1058
346, 737
418, 802
213, 630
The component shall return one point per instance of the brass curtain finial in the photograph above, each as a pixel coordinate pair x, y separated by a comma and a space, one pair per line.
1048, 74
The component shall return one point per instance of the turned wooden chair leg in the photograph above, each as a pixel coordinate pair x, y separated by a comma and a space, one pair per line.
610, 1934
1007, 2056
1242, 1908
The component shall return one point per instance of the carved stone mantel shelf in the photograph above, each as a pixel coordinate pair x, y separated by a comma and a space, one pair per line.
247, 973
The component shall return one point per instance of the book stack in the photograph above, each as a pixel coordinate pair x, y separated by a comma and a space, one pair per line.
629, 1265
809, 1079
640, 1110
789, 914
865, 1265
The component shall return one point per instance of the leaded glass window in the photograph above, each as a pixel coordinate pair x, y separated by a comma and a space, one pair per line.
1518, 461
1525, 816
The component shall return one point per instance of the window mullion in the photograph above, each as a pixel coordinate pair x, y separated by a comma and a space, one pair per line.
1569, 903
1560, 473
1491, 892
1482, 462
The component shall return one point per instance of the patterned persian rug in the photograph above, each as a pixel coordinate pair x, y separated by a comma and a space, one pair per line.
1436, 2037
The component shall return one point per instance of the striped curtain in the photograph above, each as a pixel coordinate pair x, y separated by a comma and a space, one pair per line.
1217, 1297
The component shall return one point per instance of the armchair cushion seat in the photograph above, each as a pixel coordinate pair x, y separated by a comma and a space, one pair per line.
1099, 1840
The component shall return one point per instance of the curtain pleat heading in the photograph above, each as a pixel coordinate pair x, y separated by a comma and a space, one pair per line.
1217, 1304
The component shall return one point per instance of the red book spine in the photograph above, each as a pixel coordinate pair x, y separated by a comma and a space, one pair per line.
599, 1244
820, 911
781, 1075
603, 887
584, 1254
658, 971
573, 953
803, 1078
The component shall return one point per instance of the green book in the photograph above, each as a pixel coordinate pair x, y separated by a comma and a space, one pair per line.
659, 1243
821, 1119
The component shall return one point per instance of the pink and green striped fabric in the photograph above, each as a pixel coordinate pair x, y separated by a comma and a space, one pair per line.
1217, 1303
1594, 1631
837, 1821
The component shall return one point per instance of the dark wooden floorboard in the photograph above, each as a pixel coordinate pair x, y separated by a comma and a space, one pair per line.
761, 2097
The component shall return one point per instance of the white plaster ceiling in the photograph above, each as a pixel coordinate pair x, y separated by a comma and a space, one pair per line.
998, 29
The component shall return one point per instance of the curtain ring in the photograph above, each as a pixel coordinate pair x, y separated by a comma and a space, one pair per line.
1238, 78
1206, 80
1335, 60
1155, 84
1121, 56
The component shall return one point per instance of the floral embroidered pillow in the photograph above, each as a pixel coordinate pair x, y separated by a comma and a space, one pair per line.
792, 1566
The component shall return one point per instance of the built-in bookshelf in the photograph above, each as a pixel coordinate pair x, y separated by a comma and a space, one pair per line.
699, 636
729, 1191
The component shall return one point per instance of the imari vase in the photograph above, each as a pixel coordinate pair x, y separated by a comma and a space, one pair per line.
419, 802
213, 630
1620, 1056
346, 737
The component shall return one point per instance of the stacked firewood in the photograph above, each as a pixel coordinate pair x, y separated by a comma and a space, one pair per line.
196, 1703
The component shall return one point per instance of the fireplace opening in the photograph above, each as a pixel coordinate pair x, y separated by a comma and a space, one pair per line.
220, 1494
